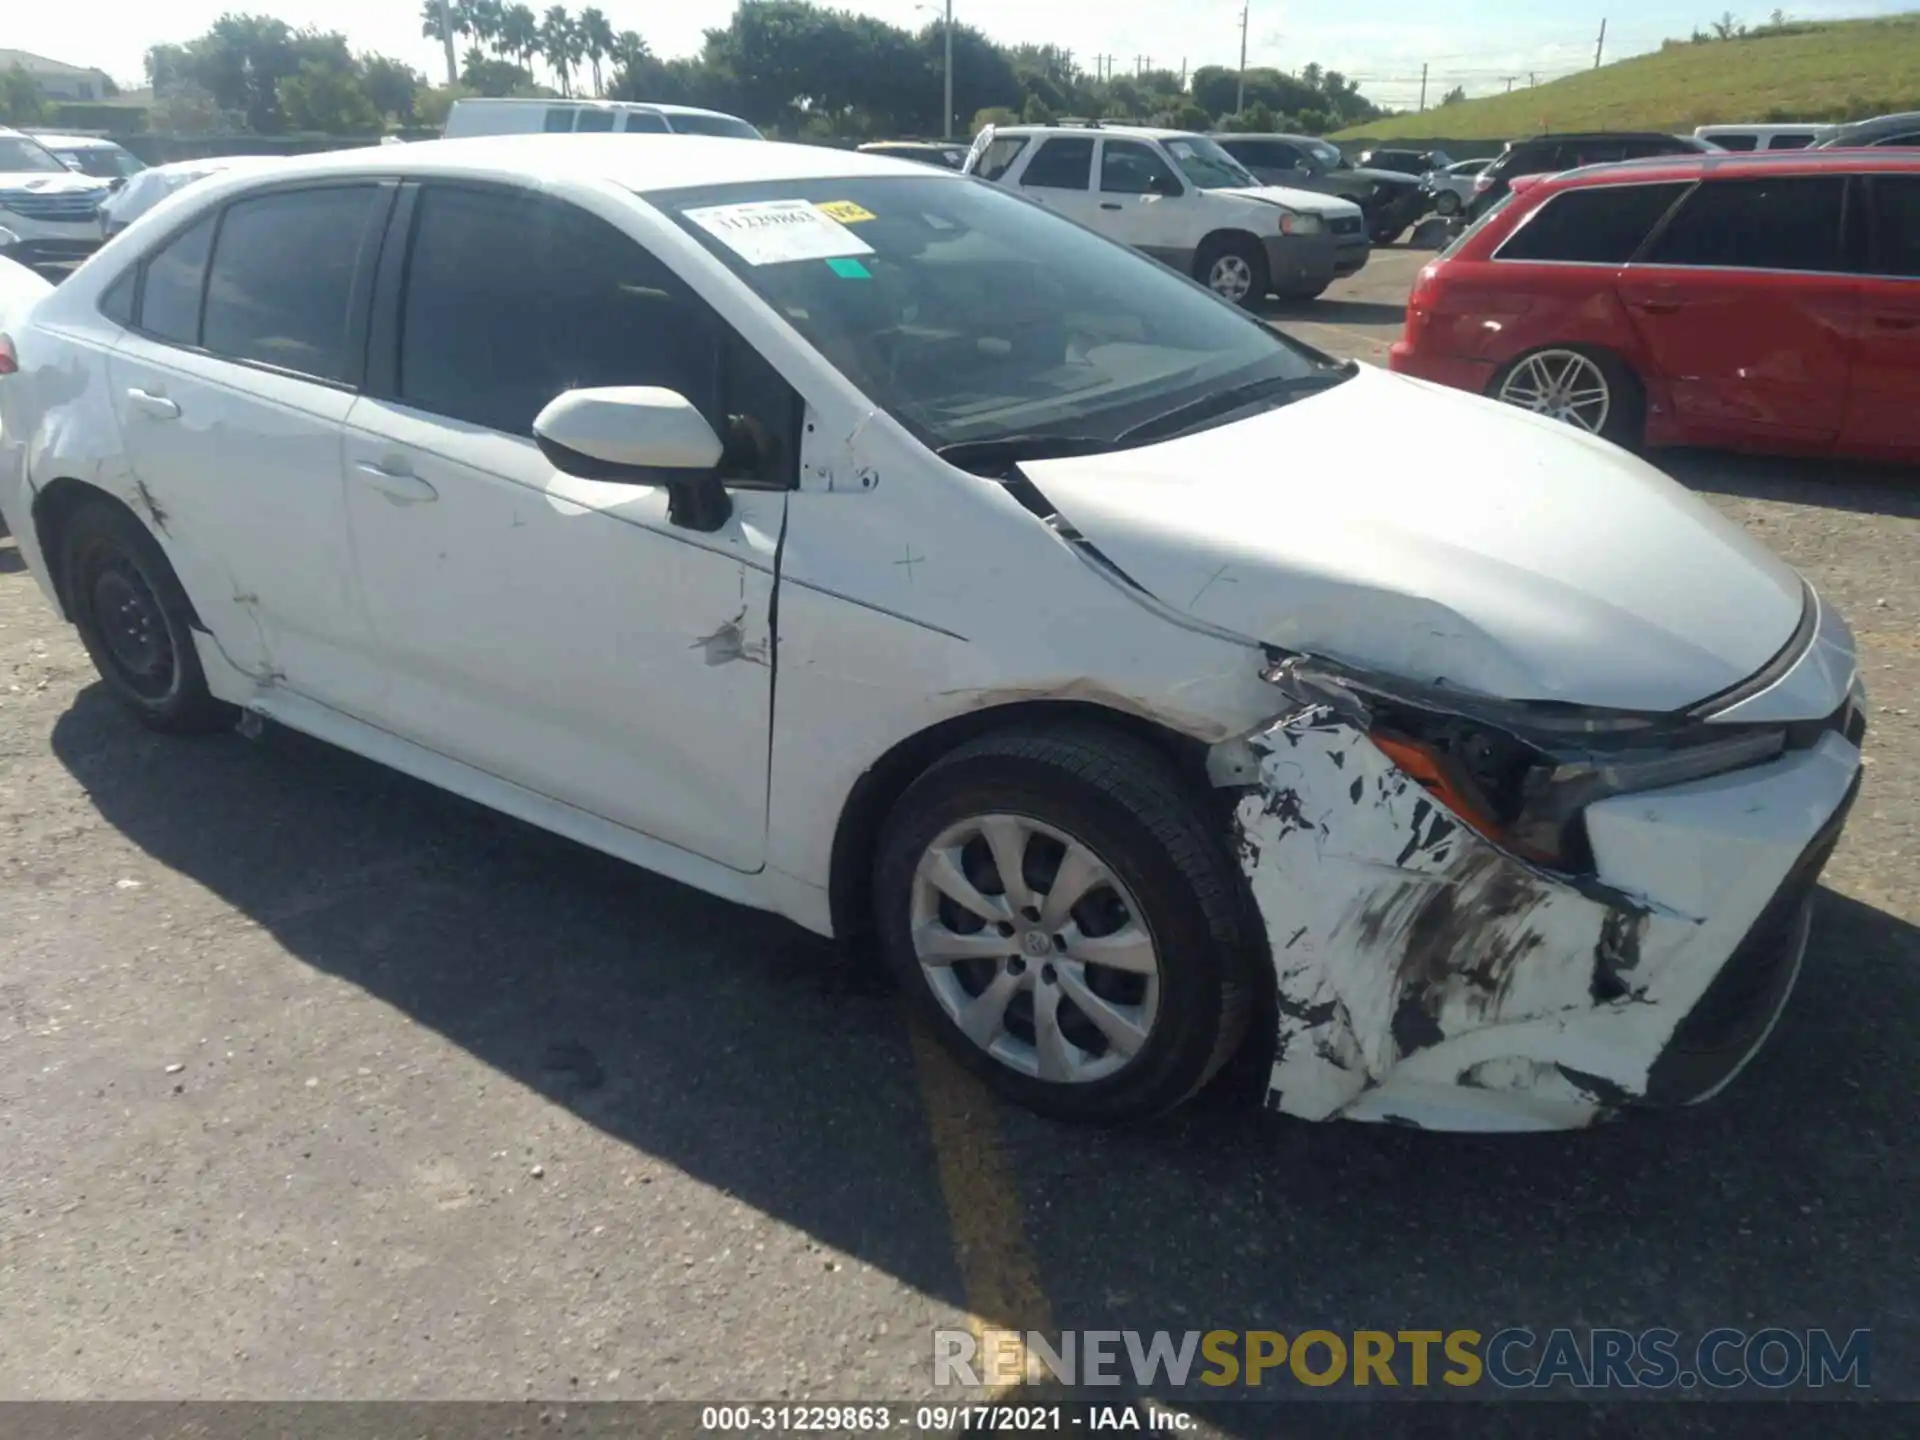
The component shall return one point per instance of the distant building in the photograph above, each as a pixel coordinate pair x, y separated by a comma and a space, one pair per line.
57, 80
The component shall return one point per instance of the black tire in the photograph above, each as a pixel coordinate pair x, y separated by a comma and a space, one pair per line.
1447, 204
1248, 251
1626, 421
135, 620
1122, 800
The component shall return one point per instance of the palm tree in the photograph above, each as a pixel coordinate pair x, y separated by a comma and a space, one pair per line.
595, 38
520, 34
484, 17
434, 17
556, 44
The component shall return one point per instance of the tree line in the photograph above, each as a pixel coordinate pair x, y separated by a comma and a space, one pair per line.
795, 69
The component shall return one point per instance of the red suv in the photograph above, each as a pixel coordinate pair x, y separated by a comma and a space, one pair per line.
1758, 302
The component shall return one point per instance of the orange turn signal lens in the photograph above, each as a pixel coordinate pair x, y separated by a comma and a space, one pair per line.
1431, 769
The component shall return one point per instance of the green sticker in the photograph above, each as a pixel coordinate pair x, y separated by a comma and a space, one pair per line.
850, 269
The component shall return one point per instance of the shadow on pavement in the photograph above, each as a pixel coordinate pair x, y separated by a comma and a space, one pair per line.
739, 1049
1336, 312
1869, 489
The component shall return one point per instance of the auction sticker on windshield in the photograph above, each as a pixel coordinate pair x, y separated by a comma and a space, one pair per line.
777, 232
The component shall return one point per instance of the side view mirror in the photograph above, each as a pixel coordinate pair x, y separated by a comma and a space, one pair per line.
117, 183
639, 435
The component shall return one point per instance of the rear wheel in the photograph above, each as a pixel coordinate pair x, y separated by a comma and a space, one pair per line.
1587, 388
135, 620
1447, 203
1234, 267
1067, 919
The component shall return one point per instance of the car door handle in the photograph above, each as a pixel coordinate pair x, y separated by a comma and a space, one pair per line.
1109, 205
155, 407
1897, 322
400, 486
1660, 307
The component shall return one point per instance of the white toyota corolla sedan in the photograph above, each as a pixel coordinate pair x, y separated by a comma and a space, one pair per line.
860, 542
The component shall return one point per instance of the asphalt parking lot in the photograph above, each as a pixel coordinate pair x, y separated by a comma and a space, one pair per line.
318, 1083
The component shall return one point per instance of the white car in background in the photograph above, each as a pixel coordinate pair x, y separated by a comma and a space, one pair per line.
155, 183
1180, 198
52, 213
92, 155
1452, 188
868, 545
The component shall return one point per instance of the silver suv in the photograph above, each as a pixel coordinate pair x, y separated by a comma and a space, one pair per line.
1180, 198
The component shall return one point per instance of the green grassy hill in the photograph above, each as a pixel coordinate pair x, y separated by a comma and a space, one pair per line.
1842, 71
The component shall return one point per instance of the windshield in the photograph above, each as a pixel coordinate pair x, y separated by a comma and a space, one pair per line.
969, 314
723, 125
1207, 165
103, 162
19, 155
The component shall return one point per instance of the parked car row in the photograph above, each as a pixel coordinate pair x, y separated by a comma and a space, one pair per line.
877, 548
1182, 199
1765, 301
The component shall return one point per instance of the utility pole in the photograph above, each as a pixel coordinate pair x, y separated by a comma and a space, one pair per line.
1240, 96
1423, 87
1601, 45
1140, 65
1509, 79
949, 111
446, 36
1533, 78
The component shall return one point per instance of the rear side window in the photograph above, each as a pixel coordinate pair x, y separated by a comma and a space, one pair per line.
1735, 142
1790, 142
1595, 225
999, 157
646, 122
1768, 224
1061, 164
280, 286
1896, 225
176, 276
559, 119
595, 120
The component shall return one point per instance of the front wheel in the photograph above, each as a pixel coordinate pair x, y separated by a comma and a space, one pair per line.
1068, 921
1579, 386
1447, 203
1234, 268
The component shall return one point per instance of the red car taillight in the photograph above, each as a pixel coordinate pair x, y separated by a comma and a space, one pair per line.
9, 361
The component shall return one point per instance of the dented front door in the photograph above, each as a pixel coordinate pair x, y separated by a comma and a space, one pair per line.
562, 634
237, 470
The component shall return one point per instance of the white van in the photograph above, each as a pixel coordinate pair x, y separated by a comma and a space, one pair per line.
1763, 137
527, 117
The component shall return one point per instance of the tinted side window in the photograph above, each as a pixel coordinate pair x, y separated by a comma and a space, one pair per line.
1061, 164
1735, 142
1790, 142
1129, 168
1600, 225
559, 119
647, 122
281, 281
1896, 225
117, 303
512, 300
1540, 160
1783, 224
999, 157
595, 120
1899, 142
176, 276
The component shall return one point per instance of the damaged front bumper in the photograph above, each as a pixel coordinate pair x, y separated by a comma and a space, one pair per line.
1428, 976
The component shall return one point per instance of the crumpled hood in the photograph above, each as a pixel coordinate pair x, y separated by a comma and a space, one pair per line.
1307, 202
47, 182
1523, 559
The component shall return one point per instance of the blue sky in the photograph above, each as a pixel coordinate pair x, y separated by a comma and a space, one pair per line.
1382, 42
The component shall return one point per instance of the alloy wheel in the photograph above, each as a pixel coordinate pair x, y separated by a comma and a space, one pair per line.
1035, 949
1231, 278
1564, 385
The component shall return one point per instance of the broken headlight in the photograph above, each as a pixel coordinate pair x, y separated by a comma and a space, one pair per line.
1523, 773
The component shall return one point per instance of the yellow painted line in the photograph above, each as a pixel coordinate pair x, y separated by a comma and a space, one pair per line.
997, 1267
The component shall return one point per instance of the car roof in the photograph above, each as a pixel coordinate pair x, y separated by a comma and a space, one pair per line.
1760, 162
1131, 132
1907, 120
591, 102
1559, 136
74, 142
639, 163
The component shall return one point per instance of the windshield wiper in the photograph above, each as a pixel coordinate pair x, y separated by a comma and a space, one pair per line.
1004, 450
1221, 402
